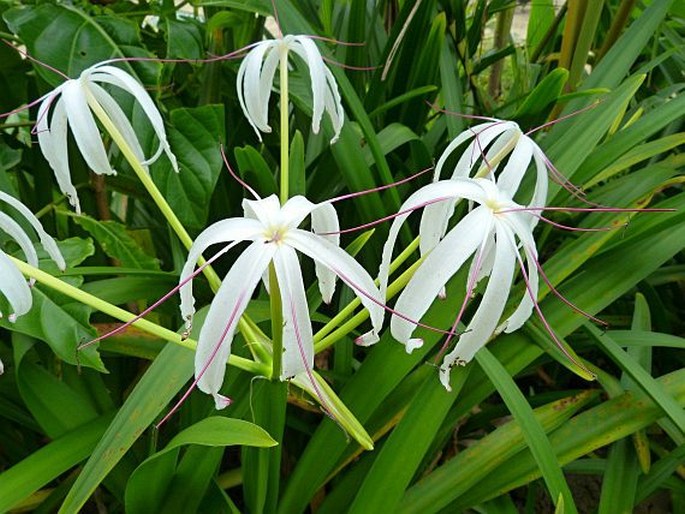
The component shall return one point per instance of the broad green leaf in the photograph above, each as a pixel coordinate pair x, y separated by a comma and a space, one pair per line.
540, 21
49, 462
296, 178
540, 100
152, 480
195, 136
254, 169
68, 39
391, 137
117, 243
184, 39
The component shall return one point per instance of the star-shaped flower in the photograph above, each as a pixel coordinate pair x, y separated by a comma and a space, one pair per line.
272, 228
72, 104
256, 76
497, 233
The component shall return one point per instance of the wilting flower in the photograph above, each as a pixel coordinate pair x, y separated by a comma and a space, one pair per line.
73, 104
272, 228
12, 284
256, 76
492, 143
497, 232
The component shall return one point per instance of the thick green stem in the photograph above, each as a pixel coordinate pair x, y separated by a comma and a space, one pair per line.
150, 186
125, 316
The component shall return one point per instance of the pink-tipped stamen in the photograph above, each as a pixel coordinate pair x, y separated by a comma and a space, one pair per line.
348, 66
565, 300
160, 301
587, 209
565, 117
577, 229
335, 41
435, 107
212, 356
235, 176
546, 324
380, 188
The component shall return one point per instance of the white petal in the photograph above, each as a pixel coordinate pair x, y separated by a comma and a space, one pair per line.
325, 219
298, 342
266, 84
295, 210
228, 230
83, 127
512, 174
477, 148
435, 219
307, 50
334, 106
486, 317
120, 120
343, 265
46, 239
468, 189
248, 88
267, 210
438, 267
14, 287
17, 233
539, 198
52, 140
118, 77
216, 336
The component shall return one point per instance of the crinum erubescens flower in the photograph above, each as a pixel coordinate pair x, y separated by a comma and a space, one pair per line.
72, 104
272, 228
256, 76
496, 232
493, 143
12, 284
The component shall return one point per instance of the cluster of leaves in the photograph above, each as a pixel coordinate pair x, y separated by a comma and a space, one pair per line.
71, 434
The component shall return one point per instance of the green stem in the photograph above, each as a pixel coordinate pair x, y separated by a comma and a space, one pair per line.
276, 323
125, 316
285, 128
146, 179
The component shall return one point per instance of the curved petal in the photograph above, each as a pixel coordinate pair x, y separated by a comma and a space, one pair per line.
298, 340
118, 77
512, 174
84, 128
52, 141
435, 219
539, 198
17, 233
46, 239
216, 336
250, 100
333, 104
14, 287
307, 50
266, 83
295, 210
468, 189
343, 265
267, 210
232, 229
438, 267
476, 151
489, 312
121, 122
325, 219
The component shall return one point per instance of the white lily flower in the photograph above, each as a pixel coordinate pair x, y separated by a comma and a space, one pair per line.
492, 142
272, 228
13, 285
71, 104
497, 227
256, 75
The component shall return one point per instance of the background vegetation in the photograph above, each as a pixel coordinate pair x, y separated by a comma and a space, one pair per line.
73, 436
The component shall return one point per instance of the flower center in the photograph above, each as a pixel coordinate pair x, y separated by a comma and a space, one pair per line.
275, 235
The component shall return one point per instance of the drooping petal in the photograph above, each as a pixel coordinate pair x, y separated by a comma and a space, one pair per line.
334, 106
468, 189
511, 176
343, 265
307, 50
84, 128
248, 89
228, 230
539, 198
478, 150
298, 344
325, 220
216, 336
52, 140
267, 210
118, 77
439, 266
17, 233
487, 316
14, 287
121, 122
46, 239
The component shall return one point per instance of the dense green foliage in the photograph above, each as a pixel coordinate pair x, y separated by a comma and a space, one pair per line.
77, 428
